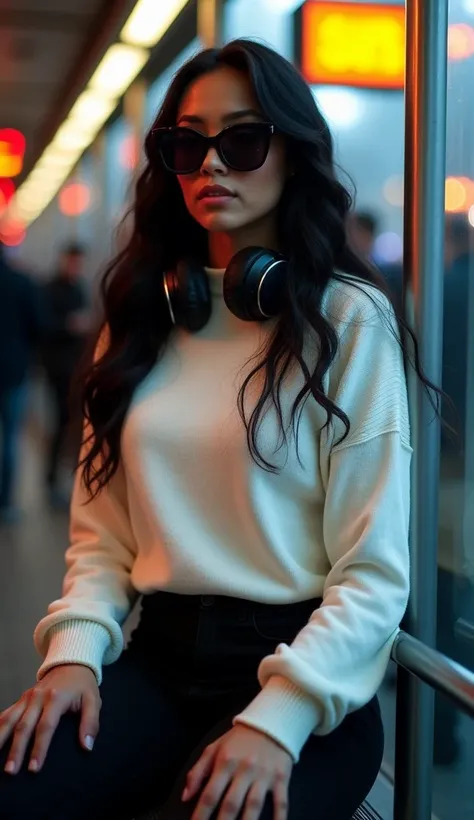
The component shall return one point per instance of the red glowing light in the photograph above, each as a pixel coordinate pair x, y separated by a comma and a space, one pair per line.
12, 232
12, 152
7, 189
74, 199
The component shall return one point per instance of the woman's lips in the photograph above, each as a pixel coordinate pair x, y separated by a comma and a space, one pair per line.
215, 195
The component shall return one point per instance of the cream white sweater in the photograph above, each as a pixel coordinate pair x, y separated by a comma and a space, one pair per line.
189, 512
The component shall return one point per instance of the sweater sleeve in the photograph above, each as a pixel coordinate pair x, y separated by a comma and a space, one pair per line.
338, 661
84, 625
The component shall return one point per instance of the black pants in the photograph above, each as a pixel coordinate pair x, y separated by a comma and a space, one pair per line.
190, 668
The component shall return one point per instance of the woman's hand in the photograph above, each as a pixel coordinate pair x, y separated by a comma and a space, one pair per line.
241, 768
65, 688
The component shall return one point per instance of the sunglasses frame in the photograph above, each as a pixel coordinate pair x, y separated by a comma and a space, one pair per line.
213, 142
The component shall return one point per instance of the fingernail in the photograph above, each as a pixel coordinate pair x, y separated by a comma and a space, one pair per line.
184, 796
89, 742
33, 767
10, 767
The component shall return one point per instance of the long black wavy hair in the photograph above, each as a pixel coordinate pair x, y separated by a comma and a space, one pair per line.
312, 235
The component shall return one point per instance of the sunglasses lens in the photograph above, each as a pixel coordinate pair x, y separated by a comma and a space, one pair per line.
242, 147
245, 147
183, 150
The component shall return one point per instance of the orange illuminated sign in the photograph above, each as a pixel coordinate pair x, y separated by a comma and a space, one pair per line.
353, 44
12, 151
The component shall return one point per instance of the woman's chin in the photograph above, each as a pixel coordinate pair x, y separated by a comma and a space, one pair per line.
216, 222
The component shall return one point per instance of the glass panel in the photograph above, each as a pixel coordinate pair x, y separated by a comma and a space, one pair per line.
454, 734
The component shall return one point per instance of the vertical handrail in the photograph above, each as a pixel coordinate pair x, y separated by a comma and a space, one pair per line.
425, 160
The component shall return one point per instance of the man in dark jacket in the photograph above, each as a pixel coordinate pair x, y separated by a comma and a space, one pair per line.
20, 329
68, 324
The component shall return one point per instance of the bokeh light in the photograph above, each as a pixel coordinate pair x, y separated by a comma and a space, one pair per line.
388, 247
456, 194
74, 199
12, 232
12, 151
460, 41
340, 106
7, 189
393, 191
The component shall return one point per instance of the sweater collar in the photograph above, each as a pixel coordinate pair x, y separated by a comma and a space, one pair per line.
216, 281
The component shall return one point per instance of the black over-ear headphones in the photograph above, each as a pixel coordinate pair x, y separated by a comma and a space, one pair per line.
253, 289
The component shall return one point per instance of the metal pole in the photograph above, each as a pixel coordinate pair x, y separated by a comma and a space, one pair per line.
425, 157
209, 22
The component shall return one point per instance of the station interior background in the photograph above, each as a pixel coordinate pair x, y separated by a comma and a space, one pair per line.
51, 50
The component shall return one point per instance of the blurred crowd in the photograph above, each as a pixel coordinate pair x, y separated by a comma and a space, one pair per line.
43, 328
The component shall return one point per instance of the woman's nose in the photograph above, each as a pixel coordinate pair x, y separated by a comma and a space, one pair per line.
212, 163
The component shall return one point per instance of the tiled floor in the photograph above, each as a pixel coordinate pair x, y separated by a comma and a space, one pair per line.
31, 569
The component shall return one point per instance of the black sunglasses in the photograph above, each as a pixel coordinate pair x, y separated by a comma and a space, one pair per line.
242, 147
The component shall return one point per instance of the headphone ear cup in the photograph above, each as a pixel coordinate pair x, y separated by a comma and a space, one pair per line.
189, 296
254, 284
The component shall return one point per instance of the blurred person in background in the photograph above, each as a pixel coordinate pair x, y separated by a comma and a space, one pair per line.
21, 323
68, 325
246, 468
362, 229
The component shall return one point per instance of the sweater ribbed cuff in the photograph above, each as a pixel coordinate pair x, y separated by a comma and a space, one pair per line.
76, 641
283, 712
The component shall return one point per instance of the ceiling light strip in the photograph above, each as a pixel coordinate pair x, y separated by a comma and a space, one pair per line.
119, 67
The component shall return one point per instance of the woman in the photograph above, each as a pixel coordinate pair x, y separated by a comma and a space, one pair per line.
250, 478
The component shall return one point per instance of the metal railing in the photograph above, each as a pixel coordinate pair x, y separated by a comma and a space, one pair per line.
423, 263
437, 670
